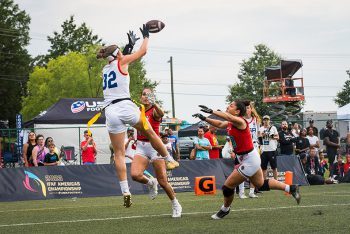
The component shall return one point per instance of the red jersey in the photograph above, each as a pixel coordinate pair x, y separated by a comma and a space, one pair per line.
241, 139
213, 153
153, 122
87, 155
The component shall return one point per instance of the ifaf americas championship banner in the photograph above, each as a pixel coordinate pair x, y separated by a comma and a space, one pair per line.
100, 180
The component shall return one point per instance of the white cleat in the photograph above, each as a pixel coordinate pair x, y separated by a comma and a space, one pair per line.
153, 189
252, 195
177, 211
242, 196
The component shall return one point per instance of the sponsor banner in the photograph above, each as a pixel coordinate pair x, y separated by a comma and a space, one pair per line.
49, 182
289, 163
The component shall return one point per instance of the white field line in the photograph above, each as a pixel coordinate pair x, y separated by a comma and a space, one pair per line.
160, 215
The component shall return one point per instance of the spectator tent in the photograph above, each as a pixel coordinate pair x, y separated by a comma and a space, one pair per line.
343, 116
66, 121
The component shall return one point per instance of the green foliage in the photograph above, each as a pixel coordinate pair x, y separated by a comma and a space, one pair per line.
72, 38
14, 58
251, 77
343, 97
72, 76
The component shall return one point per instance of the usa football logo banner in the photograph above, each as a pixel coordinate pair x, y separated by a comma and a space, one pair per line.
78, 106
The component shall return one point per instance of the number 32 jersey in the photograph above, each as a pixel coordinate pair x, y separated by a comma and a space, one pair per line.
115, 82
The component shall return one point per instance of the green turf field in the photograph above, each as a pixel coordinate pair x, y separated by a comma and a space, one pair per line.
321, 208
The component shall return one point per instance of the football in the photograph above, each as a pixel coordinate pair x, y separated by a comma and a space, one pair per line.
155, 26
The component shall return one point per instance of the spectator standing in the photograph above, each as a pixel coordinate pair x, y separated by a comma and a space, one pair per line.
347, 143
311, 126
214, 153
39, 151
302, 144
48, 141
174, 143
323, 163
331, 140
295, 130
28, 149
286, 139
167, 144
88, 149
202, 145
51, 158
130, 145
227, 151
313, 139
269, 136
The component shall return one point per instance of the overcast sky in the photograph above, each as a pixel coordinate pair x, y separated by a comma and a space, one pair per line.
209, 39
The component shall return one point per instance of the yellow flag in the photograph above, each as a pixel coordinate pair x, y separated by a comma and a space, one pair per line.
143, 117
92, 121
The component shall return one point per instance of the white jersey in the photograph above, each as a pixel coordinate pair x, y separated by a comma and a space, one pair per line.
253, 126
115, 82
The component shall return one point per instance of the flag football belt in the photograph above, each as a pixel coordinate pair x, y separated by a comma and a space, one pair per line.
119, 100
244, 152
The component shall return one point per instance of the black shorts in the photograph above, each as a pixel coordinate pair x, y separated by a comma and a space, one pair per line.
268, 156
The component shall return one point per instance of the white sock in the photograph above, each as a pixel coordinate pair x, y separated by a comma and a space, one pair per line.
225, 209
149, 182
169, 158
175, 201
124, 186
241, 188
251, 190
287, 188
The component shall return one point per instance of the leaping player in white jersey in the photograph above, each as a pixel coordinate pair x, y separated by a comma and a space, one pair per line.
120, 110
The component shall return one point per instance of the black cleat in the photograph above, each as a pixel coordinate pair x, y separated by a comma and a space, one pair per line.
294, 190
127, 200
221, 214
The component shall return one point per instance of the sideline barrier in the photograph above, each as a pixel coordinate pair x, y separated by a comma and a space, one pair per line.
37, 183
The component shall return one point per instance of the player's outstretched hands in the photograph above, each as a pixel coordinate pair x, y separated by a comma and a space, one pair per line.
132, 38
151, 98
200, 116
205, 109
145, 31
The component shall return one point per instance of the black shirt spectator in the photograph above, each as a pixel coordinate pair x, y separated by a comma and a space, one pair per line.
313, 179
331, 140
337, 171
313, 163
311, 122
286, 139
302, 144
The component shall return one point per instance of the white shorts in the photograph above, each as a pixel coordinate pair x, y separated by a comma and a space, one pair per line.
120, 114
146, 150
249, 163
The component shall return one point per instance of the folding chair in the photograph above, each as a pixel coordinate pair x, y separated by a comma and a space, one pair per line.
68, 155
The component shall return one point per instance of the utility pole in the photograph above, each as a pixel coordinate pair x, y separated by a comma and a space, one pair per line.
172, 86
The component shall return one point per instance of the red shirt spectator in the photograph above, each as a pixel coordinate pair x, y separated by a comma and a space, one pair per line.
88, 149
214, 153
347, 164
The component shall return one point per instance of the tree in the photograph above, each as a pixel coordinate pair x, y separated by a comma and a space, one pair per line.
14, 58
72, 38
251, 77
72, 76
343, 96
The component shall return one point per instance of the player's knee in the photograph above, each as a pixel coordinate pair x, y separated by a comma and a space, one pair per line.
228, 192
136, 176
265, 186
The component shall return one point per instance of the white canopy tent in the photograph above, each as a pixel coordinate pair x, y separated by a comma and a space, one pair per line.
343, 116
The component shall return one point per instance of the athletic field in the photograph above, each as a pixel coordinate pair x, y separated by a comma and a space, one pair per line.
323, 209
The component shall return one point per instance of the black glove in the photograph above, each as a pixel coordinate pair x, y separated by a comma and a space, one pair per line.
145, 31
206, 109
132, 40
200, 116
